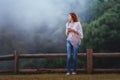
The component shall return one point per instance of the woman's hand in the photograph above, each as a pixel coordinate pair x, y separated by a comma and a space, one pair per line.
69, 29
72, 30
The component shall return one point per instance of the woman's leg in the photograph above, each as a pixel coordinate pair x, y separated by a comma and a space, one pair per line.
76, 49
69, 54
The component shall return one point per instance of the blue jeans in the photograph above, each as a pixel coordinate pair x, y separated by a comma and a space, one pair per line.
71, 56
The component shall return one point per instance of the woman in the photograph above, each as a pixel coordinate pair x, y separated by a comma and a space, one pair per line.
74, 35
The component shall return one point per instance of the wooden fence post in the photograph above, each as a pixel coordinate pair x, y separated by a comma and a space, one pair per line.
16, 62
89, 61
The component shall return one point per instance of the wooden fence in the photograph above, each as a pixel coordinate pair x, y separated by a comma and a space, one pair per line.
89, 56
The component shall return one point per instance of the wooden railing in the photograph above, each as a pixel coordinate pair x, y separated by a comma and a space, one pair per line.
89, 56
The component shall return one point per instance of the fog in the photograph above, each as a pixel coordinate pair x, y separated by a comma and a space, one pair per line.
36, 25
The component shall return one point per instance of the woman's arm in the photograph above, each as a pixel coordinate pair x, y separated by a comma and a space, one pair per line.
66, 32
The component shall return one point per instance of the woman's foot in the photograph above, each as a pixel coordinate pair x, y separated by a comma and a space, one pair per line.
74, 73
67, 73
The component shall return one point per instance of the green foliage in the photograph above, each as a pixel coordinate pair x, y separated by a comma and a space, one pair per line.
103, 33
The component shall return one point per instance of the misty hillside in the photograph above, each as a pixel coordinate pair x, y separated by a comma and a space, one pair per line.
34, 26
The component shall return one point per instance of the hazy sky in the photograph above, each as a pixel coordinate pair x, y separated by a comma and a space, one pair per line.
29, 13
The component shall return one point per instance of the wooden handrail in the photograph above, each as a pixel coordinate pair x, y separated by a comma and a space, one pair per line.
54, 55
6, 57
106, 55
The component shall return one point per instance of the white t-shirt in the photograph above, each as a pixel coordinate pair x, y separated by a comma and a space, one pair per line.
72, 37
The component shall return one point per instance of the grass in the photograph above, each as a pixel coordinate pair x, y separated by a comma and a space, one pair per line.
61, 77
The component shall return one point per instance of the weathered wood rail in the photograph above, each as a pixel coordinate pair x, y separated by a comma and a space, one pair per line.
89, 56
